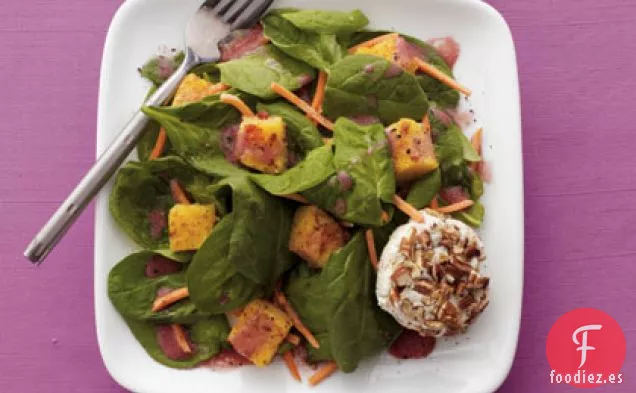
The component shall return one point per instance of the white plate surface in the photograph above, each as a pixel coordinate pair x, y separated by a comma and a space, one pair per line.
476, 362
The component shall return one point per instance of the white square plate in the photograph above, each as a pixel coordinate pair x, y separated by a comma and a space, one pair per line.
476, 362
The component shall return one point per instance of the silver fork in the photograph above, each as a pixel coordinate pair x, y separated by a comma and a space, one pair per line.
210, 25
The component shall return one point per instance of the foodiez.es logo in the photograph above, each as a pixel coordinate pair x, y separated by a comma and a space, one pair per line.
585, 348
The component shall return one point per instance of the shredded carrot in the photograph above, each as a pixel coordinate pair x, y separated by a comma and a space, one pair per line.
180, 337
426, 124
166, 300
440, 76
476, 139
476, 142
300, 326
319, 97
422, 65
323, 373
305, 107
455, 207
373, 41
292, 339
160, 144
407, 209
434, 203
178, 193
373, 255
295, 197
237, 103
218, 87
288, 357
385, 217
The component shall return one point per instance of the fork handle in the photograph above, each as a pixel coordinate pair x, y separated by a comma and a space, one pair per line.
105, 166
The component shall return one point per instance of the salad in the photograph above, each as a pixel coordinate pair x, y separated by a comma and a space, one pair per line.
269, 185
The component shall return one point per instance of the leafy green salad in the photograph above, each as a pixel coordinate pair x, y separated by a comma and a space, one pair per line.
266, 186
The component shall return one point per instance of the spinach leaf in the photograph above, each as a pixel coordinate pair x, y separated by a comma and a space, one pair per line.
285, 347
337, 304
141, 190
476, 187
210, 334
247, 251
449, 148
358, 328
317, 50
302, 133
439, 93
149, 136
424, 190
362, 154
453, 145
255, 72
213, 282
177, 256
360, 85
133, 293
305, 140
468, 151
160, 68
323, 353
196, 132
362, 329
314, 169
138, 193
442, 95
474, 216
258, 254
307, 292
328, 22
207, 71
147, 141
207, 336
209, 113
454, 151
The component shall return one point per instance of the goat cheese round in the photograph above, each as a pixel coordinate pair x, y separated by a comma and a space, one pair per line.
429, 276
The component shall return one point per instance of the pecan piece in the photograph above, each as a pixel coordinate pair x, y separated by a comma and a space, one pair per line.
405, 247
435, 272
482, 282
482, 306
466, 301
424, 287
435, 325
448, 312
402, 276
462, 266
394, 295
473, 252
425, 239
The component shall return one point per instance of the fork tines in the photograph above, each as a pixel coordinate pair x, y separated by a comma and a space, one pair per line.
238, 13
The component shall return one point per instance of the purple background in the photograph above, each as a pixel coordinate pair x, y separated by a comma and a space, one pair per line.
576, 58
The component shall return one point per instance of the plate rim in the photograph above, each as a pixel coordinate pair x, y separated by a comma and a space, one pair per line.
127, 7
